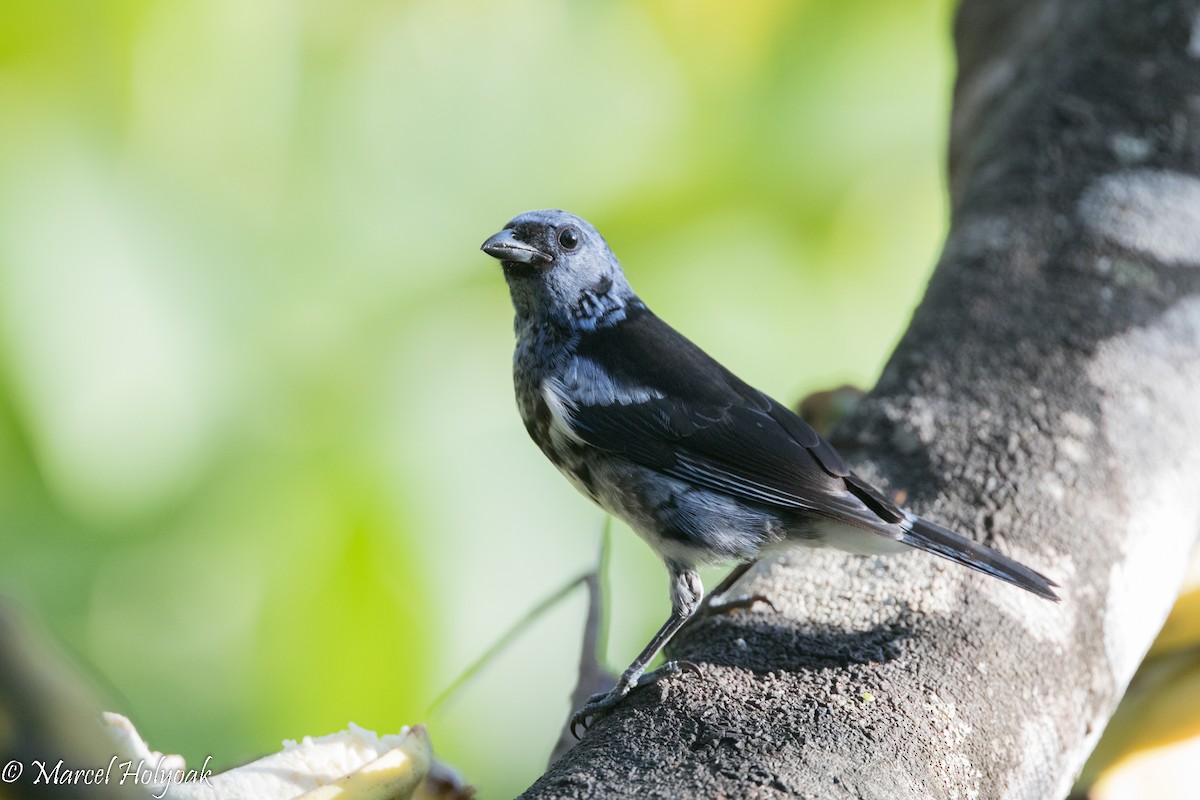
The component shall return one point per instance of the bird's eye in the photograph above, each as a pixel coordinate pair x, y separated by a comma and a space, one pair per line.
569, 238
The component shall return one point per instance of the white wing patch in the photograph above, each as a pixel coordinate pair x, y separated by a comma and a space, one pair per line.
585, 383
588, 384
561, 405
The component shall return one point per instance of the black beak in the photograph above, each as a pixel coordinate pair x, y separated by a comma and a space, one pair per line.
505, 246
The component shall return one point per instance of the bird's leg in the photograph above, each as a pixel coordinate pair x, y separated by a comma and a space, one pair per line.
718, 603
686, 593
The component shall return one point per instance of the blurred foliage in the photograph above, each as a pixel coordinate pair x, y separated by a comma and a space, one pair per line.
260, 469
48, 711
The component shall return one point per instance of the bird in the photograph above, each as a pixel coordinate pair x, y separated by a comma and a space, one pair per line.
701, 465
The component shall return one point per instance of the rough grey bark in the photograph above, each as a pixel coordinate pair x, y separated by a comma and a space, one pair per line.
1046, 398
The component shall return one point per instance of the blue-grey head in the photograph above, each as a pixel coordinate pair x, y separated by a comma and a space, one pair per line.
559, 269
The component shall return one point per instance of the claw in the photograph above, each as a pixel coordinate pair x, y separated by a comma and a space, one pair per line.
668, 670
597, 706
601, 705
720, 605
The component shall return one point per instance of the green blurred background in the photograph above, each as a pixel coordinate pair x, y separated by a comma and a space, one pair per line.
261, 472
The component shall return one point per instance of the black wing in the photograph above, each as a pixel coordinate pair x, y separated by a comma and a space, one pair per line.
667, 405
678, 411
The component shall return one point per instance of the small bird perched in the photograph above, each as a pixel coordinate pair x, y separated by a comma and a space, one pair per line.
701, 465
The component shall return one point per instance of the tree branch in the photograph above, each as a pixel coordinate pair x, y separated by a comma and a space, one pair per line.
1044, 398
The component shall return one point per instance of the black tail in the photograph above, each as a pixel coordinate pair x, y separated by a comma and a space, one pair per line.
933, 538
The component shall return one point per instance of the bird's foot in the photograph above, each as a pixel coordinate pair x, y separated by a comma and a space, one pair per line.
723, 604
601, 705
722, 600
